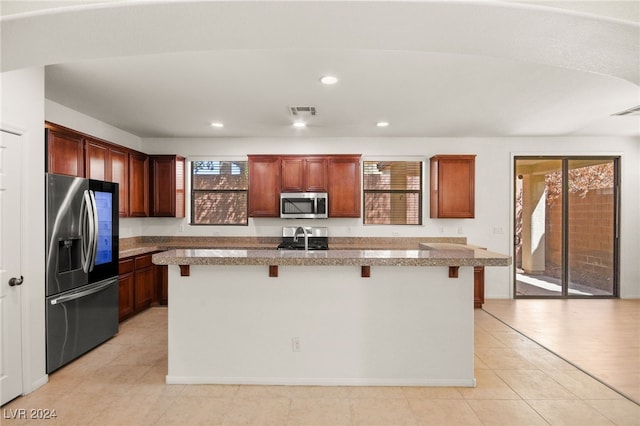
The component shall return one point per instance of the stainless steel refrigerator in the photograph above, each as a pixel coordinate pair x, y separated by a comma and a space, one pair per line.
82, 266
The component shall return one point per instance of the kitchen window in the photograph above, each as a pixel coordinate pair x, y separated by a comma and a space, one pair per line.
219, 192
392, 192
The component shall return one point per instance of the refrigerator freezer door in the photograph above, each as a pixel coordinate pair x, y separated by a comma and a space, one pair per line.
80, 320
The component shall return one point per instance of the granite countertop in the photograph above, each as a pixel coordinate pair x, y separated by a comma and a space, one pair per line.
462, 255
137, 246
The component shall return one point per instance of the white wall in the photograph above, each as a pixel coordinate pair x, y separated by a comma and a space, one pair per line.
23, 111
60, 114
494, 199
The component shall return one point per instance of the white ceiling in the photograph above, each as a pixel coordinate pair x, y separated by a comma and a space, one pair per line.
474, 68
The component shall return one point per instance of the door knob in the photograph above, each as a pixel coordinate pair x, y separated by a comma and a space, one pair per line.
16, 281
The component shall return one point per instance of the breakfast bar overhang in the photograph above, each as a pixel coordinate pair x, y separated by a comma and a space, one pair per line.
336, 317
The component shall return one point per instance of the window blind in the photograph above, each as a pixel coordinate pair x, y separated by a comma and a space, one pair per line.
219, 192
392, 192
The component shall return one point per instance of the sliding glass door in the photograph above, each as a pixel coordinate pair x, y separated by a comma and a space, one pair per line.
566, 222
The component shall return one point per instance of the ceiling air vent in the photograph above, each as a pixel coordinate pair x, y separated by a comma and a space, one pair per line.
302, 110
631, 111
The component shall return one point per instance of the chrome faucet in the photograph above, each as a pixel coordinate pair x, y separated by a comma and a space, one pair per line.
305, 233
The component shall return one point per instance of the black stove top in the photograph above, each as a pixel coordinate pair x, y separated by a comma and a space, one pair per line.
315, 243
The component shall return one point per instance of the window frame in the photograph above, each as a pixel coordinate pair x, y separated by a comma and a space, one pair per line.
420, 192
192, 189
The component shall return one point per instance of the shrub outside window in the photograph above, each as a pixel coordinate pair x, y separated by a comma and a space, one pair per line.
392, 192
219, 192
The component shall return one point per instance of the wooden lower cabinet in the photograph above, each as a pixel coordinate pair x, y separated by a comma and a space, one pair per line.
478, 286
143, 288
142, 285
126, 289
161, 278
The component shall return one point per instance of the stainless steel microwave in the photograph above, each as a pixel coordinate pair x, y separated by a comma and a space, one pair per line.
304, 205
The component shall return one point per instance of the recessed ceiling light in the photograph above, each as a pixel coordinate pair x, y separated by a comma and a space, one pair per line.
217, 124
329, 79
382, 123
299, 124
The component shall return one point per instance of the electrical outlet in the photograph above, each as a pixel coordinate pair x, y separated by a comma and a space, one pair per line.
395, 234
498, 230
295, 344
460, 230
441, 230
181, 228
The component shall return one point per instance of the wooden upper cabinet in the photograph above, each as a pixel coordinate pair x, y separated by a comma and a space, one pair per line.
292, 178
65, 151
344, 185
138, 184
264, 186
303, 174
120, 175
167, 185
316, 174
97, 160
453, 186
339, 175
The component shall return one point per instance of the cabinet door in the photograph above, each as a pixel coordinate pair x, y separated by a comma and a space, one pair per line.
452, 186
304, 174
138, 185
126, 302
97, 160
316, 174
143, 288
64, 153
292, 179
126, 289
167, 185
344, 186
120, 175
264, 186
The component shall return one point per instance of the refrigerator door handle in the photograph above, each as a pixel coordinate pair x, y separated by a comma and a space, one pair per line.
83, 232
94, 238
94, 289
86, 230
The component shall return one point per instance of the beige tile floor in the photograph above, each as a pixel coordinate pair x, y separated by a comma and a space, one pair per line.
600, 336
519, 383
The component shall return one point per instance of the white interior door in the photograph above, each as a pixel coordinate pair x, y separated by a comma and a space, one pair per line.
10, 269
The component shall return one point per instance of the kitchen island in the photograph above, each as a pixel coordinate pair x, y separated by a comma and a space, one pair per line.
336, 317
